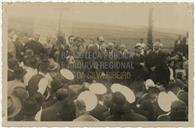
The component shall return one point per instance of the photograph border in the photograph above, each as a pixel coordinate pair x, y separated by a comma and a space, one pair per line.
101, 123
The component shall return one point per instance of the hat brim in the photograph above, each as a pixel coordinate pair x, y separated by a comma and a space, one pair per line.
53, 68
17, 107
67, 74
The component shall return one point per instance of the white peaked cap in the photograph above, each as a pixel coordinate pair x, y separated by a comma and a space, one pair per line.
122, 46
149, 83
98, 88
127, 92
67, 74
172, 96
110, 44
138, 45
89, 98
165, 100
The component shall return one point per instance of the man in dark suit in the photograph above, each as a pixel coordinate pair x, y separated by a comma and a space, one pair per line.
157, 66
62, 110
99, 111
138, 64
178, 44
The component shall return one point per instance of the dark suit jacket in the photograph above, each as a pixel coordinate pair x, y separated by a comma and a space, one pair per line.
131, 116
178, 47
161, 73
52, 113
59, 112
19, 50
98, 112
138, 70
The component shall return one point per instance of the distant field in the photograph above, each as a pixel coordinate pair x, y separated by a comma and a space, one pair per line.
128, 36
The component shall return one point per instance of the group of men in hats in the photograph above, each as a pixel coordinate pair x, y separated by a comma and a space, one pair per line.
42, 86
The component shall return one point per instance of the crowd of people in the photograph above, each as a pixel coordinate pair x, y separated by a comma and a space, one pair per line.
77, 79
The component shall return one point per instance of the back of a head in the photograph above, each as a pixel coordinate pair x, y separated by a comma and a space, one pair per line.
153, 90
56, 84
178, 111
119, 104
178, 116
19, 72
43, 66
118, 98
12, 63
30, 107
62, 94
148, 107
182, 95
80, 105
33, 62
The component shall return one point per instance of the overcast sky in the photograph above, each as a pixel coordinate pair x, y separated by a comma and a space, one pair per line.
169, 17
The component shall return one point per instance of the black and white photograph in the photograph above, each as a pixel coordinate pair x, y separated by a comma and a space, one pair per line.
121, 63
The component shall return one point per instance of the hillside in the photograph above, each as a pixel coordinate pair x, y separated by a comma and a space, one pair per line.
120, 34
